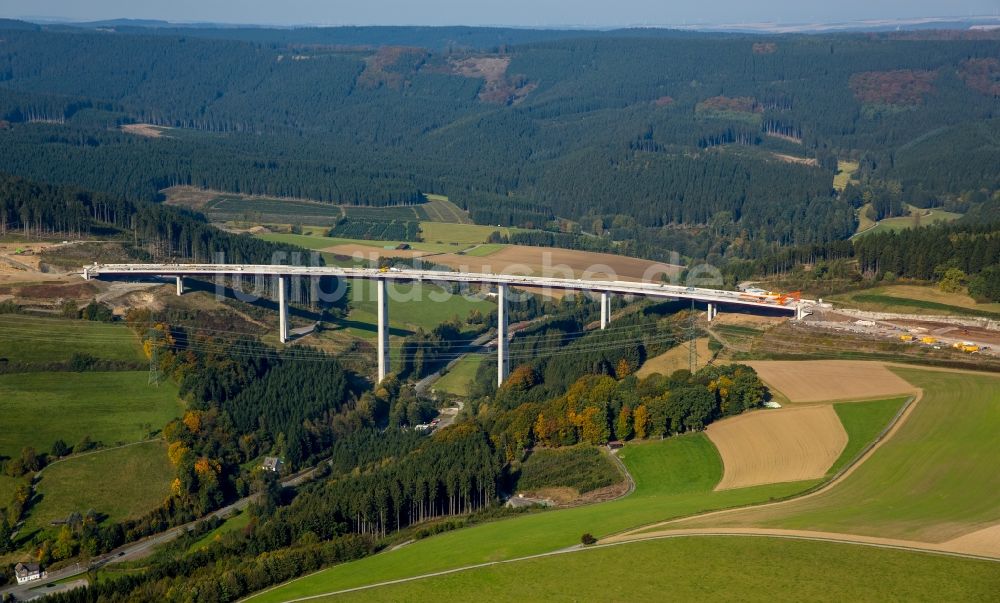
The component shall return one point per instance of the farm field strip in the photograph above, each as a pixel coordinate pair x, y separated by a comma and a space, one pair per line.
439, 209
518, 259
811, 381
457, 380
784, 445
853, 573
111, 407
33, 339
917, 300
915, 220
929, 482
122, 483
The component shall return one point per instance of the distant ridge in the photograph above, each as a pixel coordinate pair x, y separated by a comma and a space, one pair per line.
16, 24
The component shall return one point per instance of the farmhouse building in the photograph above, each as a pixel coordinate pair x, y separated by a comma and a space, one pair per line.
26, 572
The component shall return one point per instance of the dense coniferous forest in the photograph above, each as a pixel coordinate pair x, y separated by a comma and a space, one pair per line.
637, 136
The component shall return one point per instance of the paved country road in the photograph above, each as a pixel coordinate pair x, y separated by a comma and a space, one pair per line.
131, 551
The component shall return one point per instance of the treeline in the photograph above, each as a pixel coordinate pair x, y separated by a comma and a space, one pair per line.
970, 246
35, 209
926, 253
157, 231
136, 169
918, 252
598, 408
456, 471
222, 572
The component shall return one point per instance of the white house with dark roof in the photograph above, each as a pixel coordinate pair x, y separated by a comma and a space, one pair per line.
28, 572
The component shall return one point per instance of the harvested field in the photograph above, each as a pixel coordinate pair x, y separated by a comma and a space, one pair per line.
586, 264
774, 446
677, 357
929, 480
823, 380
537, 261
981, 542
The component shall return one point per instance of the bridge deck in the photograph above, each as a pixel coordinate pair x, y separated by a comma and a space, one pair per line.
410, 275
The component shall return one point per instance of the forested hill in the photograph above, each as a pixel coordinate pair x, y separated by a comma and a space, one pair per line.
635, 135
444, 38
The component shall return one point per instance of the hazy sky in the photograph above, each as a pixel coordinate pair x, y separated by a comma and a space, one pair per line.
496, 12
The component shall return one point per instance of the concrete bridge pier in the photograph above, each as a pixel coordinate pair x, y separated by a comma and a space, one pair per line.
282, 309
180, 286
605, 309
503, 360
383, 328
709, 313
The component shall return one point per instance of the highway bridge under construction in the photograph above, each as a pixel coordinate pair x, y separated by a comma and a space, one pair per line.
503, 283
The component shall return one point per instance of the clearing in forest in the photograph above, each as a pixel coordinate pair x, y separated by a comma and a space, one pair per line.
439, 209
845, 174
676, 358
147, 130
773, 446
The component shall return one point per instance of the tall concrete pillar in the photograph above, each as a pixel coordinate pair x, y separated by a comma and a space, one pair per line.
605, 309
503, 361
282, 309
383, 328
710, 314
180, 286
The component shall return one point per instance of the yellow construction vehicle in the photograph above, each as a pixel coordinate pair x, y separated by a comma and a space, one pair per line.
906, 338
928, 340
